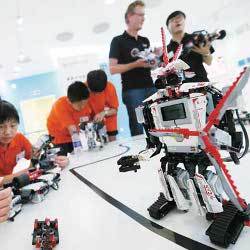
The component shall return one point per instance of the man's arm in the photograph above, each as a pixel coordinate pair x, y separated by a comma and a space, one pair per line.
115, 54
207, 59
116, 68
205, 51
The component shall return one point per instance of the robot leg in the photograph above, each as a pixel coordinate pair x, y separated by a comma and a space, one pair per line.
163, 205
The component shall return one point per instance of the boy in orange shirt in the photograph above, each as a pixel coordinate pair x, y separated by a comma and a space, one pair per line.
66, 115
103, 101
13, 145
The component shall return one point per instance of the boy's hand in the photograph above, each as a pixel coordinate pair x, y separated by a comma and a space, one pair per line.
5, 201
99, 117
62, 161
35, 153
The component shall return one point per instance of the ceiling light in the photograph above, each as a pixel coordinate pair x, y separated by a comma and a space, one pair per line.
101, 27
64, 36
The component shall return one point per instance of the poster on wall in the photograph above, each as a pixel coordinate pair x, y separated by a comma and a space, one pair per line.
34, 113
75, 68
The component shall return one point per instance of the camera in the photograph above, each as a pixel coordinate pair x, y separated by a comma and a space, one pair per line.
200, 38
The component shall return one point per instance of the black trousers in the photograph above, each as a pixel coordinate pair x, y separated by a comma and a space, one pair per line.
65, 148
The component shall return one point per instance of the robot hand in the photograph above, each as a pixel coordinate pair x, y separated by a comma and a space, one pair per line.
129, 163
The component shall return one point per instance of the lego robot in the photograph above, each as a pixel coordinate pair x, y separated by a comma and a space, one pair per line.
190, 123
47, 152
45, 234
95, 133
34, 185
31, 187
148, 55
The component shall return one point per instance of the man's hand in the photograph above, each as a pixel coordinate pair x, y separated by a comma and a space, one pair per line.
99, 117
62, 161
158, 51
203, 50
141, 63
5, 201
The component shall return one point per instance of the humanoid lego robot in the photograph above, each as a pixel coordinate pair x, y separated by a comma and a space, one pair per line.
191, 122
95, 133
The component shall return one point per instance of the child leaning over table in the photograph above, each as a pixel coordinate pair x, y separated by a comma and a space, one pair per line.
14, 145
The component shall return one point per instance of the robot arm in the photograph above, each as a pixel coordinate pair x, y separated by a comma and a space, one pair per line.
132, 162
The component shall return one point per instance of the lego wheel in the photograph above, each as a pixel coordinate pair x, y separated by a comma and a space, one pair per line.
209, 216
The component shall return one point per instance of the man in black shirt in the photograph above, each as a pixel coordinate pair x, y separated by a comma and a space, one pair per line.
137, 83
196, 57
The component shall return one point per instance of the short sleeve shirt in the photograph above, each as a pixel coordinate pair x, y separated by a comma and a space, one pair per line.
61, 116
193, 59
19, 148
120, 49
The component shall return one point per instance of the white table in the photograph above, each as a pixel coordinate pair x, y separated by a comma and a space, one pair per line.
88, 221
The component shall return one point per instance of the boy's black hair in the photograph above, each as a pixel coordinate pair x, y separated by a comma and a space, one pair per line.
77, 91
97, 80
174, 14
8, 112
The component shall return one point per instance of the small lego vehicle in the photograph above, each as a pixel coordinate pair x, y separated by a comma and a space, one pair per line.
45, 234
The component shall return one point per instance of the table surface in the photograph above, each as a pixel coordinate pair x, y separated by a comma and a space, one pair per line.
106, 209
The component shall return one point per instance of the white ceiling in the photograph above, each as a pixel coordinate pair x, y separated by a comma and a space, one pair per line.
45, 19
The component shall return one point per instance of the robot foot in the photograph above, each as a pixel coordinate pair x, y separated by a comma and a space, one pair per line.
161, 207
211, 216
227, 226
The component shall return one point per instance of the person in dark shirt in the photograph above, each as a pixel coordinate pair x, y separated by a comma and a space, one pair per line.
137, 83
196, 57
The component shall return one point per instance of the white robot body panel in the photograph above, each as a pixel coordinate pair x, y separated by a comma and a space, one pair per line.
186, 87
190, 107
164, 185
208, 196
15, 206
215, 183
181, 202
220, 137
194, 198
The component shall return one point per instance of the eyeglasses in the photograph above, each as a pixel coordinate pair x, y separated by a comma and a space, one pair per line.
139, 14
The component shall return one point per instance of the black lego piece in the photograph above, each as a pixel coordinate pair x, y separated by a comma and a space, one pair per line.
161, 207
227, 226
128, 163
